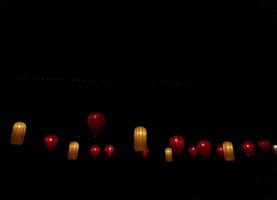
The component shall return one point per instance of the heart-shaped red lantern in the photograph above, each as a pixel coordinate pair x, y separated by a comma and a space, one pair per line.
219, 150
51, 142
248, 147
193, 152
145, 153
177, 143
95, 151
109, 150
96, 123
264, 144
204, 148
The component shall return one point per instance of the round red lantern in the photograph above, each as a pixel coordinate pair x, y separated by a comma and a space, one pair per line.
248, 147
95, 151
51, 142
96, 123
219, 150
264, 144
193, 152
145, 153
109, 150
177, 144
204, 148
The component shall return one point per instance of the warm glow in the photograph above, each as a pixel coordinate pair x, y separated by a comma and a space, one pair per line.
73, 151
274, 149
140, 138
168, 154
18, 133
228, 151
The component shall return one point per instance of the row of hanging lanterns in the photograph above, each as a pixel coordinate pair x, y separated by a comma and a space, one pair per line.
96, 123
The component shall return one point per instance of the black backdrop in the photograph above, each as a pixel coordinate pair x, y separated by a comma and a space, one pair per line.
139, 63
197, 110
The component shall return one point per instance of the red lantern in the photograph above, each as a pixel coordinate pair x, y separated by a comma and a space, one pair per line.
219, 150
96, 123
51, 142
248, 147
193, 152
145, 153
95, 151
109, 150
177, 143
264, 144
204, 148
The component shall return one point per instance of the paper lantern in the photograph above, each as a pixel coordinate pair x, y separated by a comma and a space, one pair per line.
274, 149
219, 150
109, 150
96, 123
140, 138
51, 142
18, 133
264, 145
228, 151
168, 154
95, 151
145, 153
204, 148
73, 151
177, 144
248, 147
193, 152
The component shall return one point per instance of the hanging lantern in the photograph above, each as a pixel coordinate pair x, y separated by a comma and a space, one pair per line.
51, 142
145, 153
96, 123
204, 148
109, 150
18, 133
73, 151
219, 150
228, 151
177, 144
95, 151
193, 152
168, 154
274, 149
264, 145
248, 147
140, 138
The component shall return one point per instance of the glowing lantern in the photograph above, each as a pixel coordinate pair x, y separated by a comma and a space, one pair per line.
177, 143
204, 148
109, 150
248, 147
50, 142
219, 150
73, 151
168, 154
264, 145
140, 138
95, 151
18, 133
96, 123
274, 149
228, 151
193, 152
145, 153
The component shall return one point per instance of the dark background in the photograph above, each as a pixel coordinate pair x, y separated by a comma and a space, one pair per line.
138, 67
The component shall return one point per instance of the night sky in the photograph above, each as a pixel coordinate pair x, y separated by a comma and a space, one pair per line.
140, 70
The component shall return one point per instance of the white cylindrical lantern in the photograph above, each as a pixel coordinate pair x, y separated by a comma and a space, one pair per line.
18, 133
73, 151
228, 151
168, 155
274, 149
140, 138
